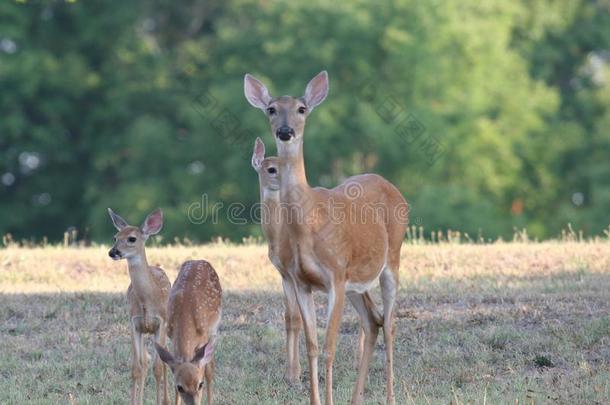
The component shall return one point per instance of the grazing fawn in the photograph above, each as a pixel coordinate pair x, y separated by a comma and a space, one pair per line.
274, 228
147, 296
194, 316
342, 240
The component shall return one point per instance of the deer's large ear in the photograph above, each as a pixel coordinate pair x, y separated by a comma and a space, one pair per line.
165, 355
256, 92
118, 222
258, 155
316, 90
204, 354
153, 223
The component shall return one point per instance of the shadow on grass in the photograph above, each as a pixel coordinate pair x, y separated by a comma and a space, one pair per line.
466, 338
75, 346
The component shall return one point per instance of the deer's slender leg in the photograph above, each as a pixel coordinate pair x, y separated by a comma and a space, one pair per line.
144, 358
388, 284
293, 321
137, 369
359, 347
373, 310
159, 367
336, 300
209, 377
177, 399
308, 314
378, 319
371, 330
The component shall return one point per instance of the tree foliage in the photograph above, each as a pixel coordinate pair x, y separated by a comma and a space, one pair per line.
486, 115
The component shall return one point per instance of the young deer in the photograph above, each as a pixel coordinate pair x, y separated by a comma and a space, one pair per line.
147, 296
194, 316
274, 228
342, 239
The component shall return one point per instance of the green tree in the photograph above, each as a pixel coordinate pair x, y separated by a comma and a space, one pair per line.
486, 115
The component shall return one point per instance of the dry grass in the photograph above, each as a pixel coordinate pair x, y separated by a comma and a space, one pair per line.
477, 324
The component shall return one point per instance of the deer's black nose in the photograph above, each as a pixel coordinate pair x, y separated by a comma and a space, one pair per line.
285, 133
114, 253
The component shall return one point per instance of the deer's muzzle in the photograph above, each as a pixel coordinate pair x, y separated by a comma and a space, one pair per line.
114, 253
284, 133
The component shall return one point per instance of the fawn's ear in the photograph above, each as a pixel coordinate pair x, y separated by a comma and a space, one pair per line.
258, 155
256, 92
118, 222
165, 355
153, 223
204, 354
316, 90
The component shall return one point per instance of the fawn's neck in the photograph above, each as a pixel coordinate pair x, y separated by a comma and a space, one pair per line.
271, 216
142, 280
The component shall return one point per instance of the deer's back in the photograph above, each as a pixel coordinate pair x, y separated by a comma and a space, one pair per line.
369, 188
194, 304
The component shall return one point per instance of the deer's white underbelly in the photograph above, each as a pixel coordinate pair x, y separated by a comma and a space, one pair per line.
361, 288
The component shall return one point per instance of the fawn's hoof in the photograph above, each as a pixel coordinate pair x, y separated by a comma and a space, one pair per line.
292, 380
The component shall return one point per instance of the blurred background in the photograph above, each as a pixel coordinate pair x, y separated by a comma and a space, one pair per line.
489, 116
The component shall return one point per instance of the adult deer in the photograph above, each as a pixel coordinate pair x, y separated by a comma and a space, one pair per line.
274, 228
341, 240
147, 296
194, 316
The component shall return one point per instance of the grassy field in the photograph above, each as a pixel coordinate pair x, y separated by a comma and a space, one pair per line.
498, 324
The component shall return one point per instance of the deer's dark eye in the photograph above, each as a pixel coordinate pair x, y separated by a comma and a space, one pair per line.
201, 385
272, 170
271, 110
131, 239
180, 389
302, 110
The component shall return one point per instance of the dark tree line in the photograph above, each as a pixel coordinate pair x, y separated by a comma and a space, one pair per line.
487, 116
